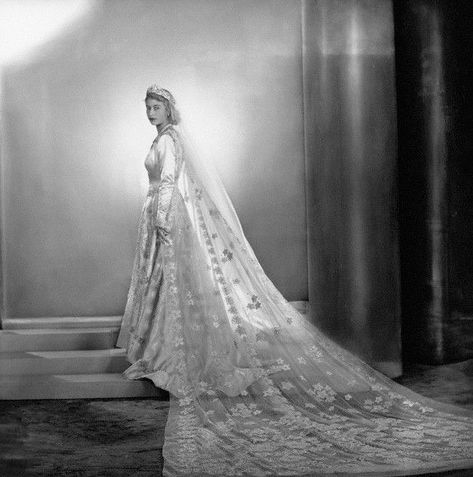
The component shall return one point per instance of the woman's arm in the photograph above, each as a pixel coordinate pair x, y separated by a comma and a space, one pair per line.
167, 156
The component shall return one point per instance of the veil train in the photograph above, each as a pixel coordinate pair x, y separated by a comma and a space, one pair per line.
257, 390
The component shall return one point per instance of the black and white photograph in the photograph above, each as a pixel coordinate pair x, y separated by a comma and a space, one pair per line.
236, 238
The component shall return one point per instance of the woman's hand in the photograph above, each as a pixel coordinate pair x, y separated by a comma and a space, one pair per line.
163, 235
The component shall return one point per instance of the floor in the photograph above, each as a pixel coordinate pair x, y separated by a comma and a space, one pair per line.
124, 438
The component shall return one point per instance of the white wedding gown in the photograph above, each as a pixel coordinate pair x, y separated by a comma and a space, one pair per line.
255, 389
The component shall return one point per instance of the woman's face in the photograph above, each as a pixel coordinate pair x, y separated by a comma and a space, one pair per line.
156, 112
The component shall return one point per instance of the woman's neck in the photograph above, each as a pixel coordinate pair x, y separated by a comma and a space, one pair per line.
160, 127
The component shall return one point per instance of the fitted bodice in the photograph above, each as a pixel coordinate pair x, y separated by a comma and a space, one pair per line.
154, 164
163, 164
164, 158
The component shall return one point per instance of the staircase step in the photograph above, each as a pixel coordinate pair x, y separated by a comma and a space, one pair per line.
62, 322
62, 362
68, 358
57, 340
76, 386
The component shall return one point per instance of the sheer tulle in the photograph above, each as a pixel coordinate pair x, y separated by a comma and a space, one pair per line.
255, 388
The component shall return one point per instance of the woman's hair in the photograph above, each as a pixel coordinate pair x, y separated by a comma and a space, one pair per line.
173, 114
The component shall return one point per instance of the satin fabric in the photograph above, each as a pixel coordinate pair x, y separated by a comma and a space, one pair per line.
255, 389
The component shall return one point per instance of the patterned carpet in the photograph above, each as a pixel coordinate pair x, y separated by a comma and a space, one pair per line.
124, 438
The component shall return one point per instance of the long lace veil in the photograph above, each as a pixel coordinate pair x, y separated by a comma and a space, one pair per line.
258, 390
205, 173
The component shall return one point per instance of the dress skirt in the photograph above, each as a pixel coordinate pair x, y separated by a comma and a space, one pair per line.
145, 322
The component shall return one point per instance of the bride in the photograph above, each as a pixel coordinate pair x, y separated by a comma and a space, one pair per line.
255, 389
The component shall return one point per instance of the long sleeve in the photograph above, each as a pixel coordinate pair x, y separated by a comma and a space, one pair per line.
167, 157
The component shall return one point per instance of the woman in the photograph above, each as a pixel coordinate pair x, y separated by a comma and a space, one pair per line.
255, 388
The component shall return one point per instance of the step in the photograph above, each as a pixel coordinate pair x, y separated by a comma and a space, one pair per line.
57, 340
76, 386
63, 362
62, 322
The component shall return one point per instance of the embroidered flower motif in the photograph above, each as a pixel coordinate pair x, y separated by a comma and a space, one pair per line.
314, 353
185, 401
378, 387
233, 310
198, 194
161, 376
255, 303
215, 320
227, 255
178, 341
322, 392
260, 336
271, 391
138, 338
236, 281
214, 236
286, 385
283, 367
245, 411
236, 319
378, 405
214, 213
302, 360
203, 386
190, 298
348, 396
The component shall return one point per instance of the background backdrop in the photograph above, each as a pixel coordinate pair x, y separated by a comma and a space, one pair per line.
75, 136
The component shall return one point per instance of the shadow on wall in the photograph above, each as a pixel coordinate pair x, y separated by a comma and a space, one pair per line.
76, 136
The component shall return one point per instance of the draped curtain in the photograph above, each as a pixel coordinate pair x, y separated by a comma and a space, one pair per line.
350, 140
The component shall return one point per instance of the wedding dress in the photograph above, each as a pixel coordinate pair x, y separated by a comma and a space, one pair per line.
255, 389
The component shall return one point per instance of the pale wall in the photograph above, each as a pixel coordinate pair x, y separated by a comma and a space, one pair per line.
76, 136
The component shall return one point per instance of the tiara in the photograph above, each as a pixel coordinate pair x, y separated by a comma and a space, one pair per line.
155, 89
